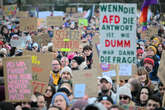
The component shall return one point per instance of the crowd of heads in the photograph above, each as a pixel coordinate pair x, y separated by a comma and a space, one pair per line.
143, 89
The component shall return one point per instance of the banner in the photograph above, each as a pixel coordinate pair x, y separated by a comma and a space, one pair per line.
22, 14
66, 40
118, 33
28, 24
10, 10
41, 67
18, 77
55, 21
83, 22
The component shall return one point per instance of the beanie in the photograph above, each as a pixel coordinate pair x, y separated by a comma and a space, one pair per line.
66, 69
149, 60
78, 59
153, 49
80, 104
62, 94
108, 98
125, 90
139, 51
64, 90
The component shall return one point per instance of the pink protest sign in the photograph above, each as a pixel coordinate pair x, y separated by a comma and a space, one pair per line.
18, 77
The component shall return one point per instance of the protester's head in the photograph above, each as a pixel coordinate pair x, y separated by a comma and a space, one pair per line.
125, 95
6, 106
153, 103
106, 101
155, 41
161, 88
64, 90
61, 100
41, 101
35, 47
76, 61
142, 75
151, 51
64, 61
4, 30
95, 106
87, 50
144, 95
56, 65
79, 104
116, 107
66, 73
105, 84
54, 108
148, 64
135, 84
139, 53
49, 91
26, 105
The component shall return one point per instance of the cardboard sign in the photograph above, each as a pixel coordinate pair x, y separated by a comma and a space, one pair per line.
41, 67
55, 21
28, 24
161, 69
22, 14
118, 33
89, 79
42, 39
18, 77
83, 22
66, 40
71, 10
10, 10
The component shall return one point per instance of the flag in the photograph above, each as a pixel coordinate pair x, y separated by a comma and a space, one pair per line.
144, 12
90, 13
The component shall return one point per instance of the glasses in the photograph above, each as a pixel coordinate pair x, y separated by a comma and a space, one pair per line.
124, 97
55, 64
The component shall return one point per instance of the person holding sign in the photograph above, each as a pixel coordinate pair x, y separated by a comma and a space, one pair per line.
55, 77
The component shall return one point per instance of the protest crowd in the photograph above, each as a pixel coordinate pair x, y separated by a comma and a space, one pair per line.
142, 90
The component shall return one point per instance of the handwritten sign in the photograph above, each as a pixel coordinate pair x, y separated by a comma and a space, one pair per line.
83, 22
161, 69
55, 21
22, 14
79, 90
118, 33
66, 40
28, 24
18, 77
42, 39
41, 66
71, 10
17, 41
10, 10
89, 80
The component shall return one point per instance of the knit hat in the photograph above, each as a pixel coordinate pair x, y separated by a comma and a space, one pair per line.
62, 94
153, 49
108, 98
35, 45
80, 104
66, 69
64, 90
1, 43
157, 40
125, 90
149, 60
106, 78
93, 106
78, 59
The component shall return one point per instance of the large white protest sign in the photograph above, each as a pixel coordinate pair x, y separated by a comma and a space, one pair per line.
118, 33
